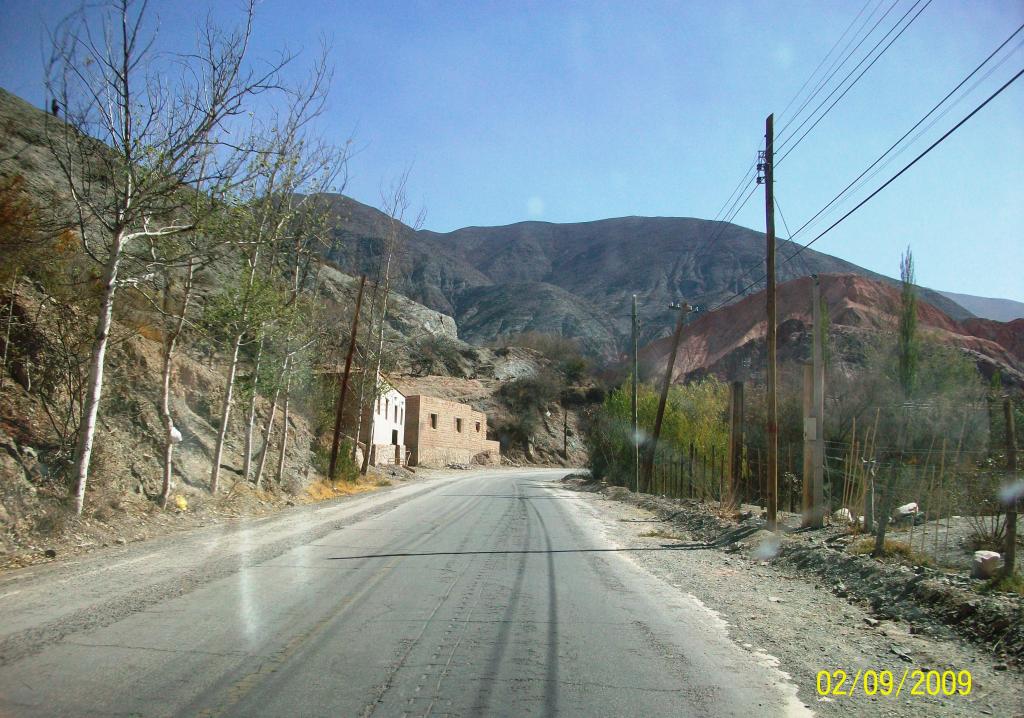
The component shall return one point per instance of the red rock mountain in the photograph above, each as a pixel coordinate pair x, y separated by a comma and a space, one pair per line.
730, 342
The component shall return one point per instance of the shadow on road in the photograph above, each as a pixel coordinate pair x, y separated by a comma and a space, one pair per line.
729, 538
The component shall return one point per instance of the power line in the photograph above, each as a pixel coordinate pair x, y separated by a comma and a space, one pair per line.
913, 162
803, 261
888, 182
822, 62
737, 203
861, 180
719, 231
739, 186
734, 204
855, 81
908, 132
837, 65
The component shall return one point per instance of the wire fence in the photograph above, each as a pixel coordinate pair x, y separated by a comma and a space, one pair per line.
942, 482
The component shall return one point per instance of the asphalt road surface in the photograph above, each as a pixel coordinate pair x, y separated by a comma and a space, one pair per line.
481, 593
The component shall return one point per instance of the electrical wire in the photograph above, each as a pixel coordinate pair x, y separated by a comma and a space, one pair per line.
734, 204
844, 56
737, 205
803, 260
863, 178
888, 182
824, 60
913, 162
783, 142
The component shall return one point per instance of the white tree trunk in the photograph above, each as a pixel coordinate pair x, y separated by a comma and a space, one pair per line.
267, 436
94, 388
10, 322
269, 427
250, 421
225, 414
165, 394
376, 373
284, 428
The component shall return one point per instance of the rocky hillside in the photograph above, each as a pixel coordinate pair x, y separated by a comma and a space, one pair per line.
578, 279
730, 343
48, 290
488, 313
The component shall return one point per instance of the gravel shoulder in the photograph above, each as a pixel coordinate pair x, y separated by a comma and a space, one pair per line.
798, 622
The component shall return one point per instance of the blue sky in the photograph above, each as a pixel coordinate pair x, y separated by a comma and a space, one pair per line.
574, 111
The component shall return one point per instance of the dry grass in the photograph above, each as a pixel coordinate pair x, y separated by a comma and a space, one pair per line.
892, 549
154, 334
1011, 584
325, 490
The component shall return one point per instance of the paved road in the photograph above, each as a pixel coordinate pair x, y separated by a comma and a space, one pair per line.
486, 593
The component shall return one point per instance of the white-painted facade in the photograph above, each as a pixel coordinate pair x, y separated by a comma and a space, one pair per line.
388, 441
389, 417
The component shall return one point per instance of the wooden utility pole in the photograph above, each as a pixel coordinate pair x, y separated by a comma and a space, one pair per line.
808, 472
684, 309
773, 424
340, 409
1010, 554
735, 442
818, 362
636, 379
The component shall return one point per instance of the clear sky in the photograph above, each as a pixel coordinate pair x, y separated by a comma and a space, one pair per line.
574, 111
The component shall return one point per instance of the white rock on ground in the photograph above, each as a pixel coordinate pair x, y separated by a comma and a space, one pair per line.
986, 564
843, 516
905, 510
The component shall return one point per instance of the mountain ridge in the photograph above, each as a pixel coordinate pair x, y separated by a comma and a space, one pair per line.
999, 309
598, 265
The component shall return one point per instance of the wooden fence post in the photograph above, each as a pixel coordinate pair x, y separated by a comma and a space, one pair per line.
1010, 554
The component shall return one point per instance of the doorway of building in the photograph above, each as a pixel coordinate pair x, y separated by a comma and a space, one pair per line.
394, 437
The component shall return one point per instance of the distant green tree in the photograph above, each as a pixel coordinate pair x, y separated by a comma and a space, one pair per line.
694, 414
908, 354
909, 347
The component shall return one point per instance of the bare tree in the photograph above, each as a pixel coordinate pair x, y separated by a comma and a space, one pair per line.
308, 239
395, 203
145, 148
283, 172
171, 434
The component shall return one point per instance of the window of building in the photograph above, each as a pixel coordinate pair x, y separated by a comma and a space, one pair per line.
478, 427
433, 421
385, 408
396, 412
458, 425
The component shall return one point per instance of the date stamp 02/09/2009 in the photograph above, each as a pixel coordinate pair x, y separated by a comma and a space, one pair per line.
912, 681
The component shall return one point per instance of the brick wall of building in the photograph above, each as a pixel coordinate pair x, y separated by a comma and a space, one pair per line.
434, 438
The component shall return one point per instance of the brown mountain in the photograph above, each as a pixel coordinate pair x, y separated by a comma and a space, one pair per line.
597, 265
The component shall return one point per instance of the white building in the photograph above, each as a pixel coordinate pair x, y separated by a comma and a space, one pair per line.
388, 444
